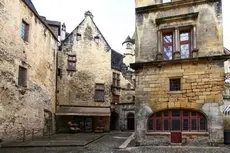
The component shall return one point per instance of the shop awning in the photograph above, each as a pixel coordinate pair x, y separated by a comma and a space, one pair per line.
83, 111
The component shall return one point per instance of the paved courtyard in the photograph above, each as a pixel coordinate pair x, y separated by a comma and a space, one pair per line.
109, 143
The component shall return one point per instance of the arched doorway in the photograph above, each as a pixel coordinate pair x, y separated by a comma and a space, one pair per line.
114, 121
177, 121
130, 121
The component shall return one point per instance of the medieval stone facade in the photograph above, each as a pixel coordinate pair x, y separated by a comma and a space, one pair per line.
179, 72
28, 50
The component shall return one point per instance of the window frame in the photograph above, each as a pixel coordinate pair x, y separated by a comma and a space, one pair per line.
116, 80
99, 89
176, 41
24, 31
22, 76
170, 85
71, 63
153, 118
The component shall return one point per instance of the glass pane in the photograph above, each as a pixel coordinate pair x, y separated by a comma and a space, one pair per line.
202, 124
176, 113
184, 49
184, 36
194, 124
99, 95
174, 84
23, 31
193, 113
158, 124
150, 124
175, 125
165, 113
158, 114
168, 38
166, 125
185, 113
185, 124
168, 52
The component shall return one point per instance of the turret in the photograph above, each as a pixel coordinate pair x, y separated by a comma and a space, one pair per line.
63, 31
129, 54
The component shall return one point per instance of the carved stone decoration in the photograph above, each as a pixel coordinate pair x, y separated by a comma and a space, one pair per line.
177, 55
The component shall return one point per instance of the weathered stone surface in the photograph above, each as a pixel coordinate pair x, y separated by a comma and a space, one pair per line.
22, 109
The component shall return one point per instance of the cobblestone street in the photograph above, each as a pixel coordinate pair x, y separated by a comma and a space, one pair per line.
110, 142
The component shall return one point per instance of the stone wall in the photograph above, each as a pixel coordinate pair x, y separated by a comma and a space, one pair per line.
25, 107
207, 32
202, 85
93, 65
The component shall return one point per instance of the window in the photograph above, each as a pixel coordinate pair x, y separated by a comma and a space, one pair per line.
71, 63
185, 45
116, 79
177, 120
99, 92
166, 1
168, 46
24, 31
175, 84
22, 76
116, 98
171, 43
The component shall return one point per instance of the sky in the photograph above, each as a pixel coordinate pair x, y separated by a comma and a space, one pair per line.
114, 18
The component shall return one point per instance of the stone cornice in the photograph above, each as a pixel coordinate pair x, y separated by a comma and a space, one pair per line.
140, 65
171, 5
177, 17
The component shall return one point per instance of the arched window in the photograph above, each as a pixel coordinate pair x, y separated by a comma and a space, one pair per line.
177, 120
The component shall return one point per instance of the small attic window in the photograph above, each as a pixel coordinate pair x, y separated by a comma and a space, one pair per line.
78, 38
97, 39
128, 46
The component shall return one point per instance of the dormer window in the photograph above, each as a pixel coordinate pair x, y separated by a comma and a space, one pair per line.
78, 38
166, 1
97, 39
128, 46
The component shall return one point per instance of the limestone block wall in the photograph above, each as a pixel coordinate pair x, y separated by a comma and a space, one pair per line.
23, 107
202, 85
93, 65
207, 36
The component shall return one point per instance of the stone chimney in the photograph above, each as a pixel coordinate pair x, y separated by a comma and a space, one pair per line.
88, 13
63, 31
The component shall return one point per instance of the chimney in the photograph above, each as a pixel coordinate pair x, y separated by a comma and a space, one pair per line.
88, 13
63, 32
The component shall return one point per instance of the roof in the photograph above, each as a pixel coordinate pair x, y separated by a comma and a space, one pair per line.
226, 51
128, 39
88, 13
33, 9
116, 60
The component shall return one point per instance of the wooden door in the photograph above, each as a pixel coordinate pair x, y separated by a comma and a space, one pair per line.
176, 137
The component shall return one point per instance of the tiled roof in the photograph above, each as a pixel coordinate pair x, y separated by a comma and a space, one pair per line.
116, 60
128, 39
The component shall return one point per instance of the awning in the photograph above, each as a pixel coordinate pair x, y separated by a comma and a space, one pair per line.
83, 111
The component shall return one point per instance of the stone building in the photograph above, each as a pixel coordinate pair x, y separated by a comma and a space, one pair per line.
84, 79
28, 50
179, 72
123, 108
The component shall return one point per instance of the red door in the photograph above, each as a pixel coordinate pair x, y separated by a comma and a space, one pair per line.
176, 137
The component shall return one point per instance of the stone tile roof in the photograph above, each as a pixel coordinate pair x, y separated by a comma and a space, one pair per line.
128, 39
116, 60
226, 51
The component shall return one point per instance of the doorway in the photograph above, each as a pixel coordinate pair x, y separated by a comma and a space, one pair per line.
114, 121
130, 121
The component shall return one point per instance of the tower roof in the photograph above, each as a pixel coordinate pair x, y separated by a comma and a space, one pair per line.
128, 39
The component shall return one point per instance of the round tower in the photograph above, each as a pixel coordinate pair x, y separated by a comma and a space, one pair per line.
129, 51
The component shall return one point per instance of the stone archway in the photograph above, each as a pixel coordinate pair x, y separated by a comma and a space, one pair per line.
130, 121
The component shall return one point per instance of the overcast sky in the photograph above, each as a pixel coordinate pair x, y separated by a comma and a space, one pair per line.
114, 18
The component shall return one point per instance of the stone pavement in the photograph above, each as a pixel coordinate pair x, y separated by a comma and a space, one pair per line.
110, 143
58, 140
